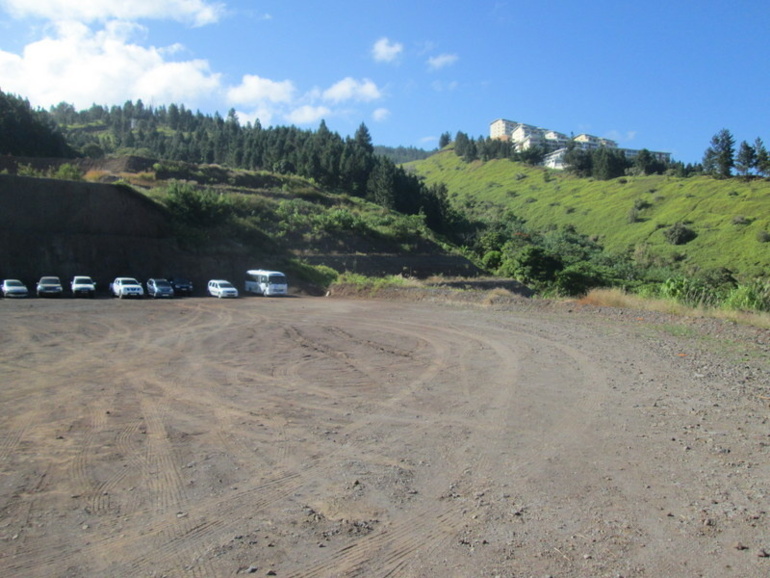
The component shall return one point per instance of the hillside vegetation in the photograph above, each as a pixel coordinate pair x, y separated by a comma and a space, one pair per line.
664, 231
630, 215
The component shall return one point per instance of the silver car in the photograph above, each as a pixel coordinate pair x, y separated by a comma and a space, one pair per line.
49, 286
159, 288
14, 288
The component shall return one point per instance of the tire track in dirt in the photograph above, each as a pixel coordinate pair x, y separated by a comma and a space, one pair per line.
164, 480
429, 410
481, 444
394, 546
284, 486
400, 538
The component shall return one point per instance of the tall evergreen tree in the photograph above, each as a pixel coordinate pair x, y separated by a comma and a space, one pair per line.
746, 159
762, 159
718, 159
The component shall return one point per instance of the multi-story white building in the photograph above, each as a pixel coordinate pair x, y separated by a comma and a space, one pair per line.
501, 129
525, 136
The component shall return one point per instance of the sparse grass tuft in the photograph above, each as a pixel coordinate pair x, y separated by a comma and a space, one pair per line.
498, 296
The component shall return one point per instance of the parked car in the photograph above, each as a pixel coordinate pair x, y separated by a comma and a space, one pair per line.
221, 288
159, 288
181, 285
14, 288
126, 287
83, 285
49, 286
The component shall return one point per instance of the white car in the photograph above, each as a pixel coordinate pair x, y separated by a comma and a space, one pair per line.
221, 288
14, 288
83, 285
126, 287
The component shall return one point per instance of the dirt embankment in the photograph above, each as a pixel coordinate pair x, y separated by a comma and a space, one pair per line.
67, 228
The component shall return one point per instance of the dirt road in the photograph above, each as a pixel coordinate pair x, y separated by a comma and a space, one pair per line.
313, 437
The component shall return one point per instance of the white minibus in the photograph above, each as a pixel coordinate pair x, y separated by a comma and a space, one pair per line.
266, 283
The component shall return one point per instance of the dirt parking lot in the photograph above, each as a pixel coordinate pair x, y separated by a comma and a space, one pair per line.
315, 437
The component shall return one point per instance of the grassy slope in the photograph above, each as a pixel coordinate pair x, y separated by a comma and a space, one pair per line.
601, 208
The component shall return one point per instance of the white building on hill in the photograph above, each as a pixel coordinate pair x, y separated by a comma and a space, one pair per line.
525, 136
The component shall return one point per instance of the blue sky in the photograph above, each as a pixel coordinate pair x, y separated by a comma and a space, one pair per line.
659, 75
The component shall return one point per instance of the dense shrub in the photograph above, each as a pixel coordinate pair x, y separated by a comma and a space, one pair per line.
679, 234
492, 260
754, 296
580, 278
197, 208
533, 265
691, 292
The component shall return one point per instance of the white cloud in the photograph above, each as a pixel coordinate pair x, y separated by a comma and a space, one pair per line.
195, 12
95, 52
386, 51
263, 114
351, 89
308, 114
441, 61
381, 114
82, 67
254, 89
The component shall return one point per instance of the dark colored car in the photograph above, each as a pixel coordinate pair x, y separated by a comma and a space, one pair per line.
49, 287
181, 285
157, 288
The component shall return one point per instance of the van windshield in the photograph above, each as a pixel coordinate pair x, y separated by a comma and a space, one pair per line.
277, 280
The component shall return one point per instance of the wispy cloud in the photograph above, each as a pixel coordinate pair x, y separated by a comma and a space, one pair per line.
440, 86
381, 115
195, 12
442, 61
621, 137
386, 51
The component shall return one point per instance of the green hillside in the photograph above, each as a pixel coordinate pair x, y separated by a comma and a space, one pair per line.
630, 215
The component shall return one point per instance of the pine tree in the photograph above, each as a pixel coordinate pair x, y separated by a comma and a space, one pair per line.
718, 159
746, 159
763, 159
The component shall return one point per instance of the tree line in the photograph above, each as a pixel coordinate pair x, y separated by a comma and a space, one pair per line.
720, 157
175, 133
25, 131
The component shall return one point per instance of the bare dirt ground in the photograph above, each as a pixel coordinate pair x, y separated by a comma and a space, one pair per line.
314, 437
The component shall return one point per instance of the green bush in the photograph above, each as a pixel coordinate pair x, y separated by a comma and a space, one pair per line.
580, 278
197, 208
68, 172
679, 234
492, 260
319, 275
754, 296
690, 292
